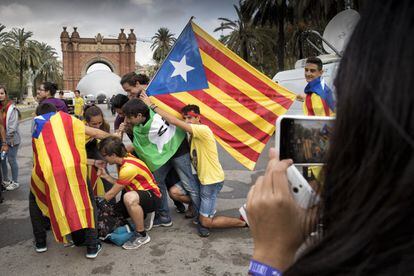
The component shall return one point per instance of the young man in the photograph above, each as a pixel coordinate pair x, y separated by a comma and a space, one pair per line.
134, 84
142, 195
59, 189
318, 98
205, 160
162, 147
79, 104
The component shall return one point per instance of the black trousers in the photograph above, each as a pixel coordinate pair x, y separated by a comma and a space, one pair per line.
40, 223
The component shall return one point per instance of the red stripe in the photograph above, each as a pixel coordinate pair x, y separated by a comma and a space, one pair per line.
38, 193
309, 106
232, 116
325, 107
241, 72
68, 126
222, 133
236, 94
62, 182
142, 180
94, 178
47, 202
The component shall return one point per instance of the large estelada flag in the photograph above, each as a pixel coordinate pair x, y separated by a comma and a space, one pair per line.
237, 102
59, 173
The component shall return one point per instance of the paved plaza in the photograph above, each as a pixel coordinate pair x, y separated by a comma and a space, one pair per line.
176, 250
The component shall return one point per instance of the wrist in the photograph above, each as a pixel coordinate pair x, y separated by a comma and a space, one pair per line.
153, 107
280, 260
257, 268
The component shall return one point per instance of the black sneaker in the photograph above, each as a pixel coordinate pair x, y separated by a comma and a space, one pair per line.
162, 221
92, 252
41, 247
179, 207
202, 231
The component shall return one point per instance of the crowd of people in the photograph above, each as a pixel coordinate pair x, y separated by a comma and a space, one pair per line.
362, 226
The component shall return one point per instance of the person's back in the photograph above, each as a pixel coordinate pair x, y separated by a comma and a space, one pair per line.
368, 208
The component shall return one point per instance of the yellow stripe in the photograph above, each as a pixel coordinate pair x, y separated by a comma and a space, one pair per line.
240, 109
69, 165
283, 91
256, 96
236, 154
55, 200
222, 122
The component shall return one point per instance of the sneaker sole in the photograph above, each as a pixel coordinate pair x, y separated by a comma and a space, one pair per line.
135, 247
163, 224
149, 227
41, 250
93, 256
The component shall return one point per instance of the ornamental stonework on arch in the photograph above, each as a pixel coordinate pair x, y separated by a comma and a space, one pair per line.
80, 53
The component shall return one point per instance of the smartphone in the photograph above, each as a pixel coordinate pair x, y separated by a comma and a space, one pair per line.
305, 139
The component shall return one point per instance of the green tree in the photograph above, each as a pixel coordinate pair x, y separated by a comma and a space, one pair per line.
162, 43
27, 52
250, 42
6, 52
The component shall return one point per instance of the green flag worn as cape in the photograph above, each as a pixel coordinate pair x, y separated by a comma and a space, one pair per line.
157, 141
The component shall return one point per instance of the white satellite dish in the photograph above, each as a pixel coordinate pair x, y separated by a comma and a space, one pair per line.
339, 30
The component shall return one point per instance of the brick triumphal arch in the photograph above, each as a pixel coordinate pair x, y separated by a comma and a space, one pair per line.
80, 53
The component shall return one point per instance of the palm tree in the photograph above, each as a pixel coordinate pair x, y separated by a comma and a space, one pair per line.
49, 68
274, 13
26, 51
251, 42
162, 43
6, 52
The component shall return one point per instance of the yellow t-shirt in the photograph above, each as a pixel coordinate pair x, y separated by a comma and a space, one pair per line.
204, 155
78, 108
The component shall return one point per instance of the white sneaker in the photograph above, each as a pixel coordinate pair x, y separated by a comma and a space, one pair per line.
12, 186
149, 221
6, 183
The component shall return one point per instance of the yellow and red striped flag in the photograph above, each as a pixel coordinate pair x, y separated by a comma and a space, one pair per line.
59, 173
237, 102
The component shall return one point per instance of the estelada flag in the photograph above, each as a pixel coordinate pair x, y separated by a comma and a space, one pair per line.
96, 182
236, 101
59, 173
319, 99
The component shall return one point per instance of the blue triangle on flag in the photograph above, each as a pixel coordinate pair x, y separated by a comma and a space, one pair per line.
39, 123
182, 69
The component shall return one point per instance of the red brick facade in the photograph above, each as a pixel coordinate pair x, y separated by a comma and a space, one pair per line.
80, 53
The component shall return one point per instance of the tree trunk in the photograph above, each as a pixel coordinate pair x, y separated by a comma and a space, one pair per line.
21, 80
281, 38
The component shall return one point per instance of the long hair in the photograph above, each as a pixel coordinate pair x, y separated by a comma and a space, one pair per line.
92, 111
368, 197
6, 100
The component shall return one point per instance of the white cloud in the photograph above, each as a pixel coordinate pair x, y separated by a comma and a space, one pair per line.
141, 2
15, 14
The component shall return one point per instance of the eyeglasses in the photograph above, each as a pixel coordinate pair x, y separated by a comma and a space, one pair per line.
40, 89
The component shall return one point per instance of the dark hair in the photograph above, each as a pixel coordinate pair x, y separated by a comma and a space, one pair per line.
130, 78
6, 101
119, 100
368, 206
315, 60
51, 87
191, 107
45, 108
143, 79
61, 92
76, 91
92, 111
112, 145
134, 107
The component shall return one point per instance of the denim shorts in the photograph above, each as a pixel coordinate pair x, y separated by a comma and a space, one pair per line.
208, 196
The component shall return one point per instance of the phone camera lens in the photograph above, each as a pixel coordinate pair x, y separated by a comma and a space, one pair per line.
295, 190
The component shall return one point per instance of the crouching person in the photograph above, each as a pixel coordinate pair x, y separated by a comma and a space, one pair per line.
141, 196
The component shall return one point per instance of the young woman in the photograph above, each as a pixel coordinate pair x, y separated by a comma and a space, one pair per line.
11, 124
94, 118
367, 202
46, 94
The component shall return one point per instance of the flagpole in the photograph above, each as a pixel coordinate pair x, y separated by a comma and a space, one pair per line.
172, 48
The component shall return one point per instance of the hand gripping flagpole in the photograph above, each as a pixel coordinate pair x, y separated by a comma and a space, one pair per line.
166, 57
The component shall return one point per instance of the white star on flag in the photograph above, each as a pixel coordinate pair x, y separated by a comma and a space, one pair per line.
181, 68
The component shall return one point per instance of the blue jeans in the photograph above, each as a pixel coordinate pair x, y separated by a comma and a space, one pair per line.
208, 194
11, 157
182, 165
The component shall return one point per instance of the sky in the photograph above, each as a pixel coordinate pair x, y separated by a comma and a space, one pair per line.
45, 18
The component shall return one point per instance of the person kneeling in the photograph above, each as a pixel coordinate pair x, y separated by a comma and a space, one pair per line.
141, 194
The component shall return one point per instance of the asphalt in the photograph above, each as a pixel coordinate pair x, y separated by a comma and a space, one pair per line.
176, 250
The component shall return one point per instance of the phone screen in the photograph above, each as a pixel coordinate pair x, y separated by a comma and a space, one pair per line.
306, 141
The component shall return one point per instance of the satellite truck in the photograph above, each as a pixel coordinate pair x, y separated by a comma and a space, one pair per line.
334, 39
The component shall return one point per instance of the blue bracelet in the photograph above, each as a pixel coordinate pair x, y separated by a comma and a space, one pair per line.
260, 269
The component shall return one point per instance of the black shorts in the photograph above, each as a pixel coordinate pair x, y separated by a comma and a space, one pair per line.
148, 201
